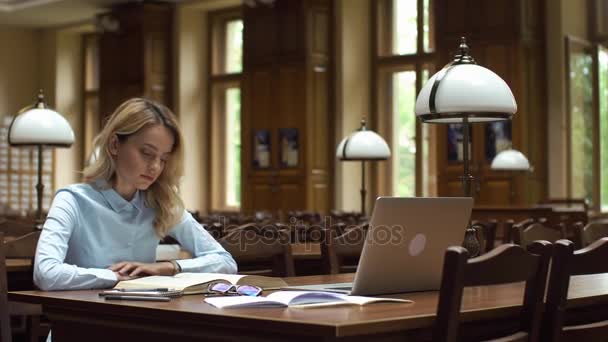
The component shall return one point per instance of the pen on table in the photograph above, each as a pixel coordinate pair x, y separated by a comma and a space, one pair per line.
160, 289
144, 298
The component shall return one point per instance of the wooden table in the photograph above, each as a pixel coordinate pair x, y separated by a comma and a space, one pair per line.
82, 315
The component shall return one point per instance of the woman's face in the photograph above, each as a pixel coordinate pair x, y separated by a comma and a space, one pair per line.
141, 158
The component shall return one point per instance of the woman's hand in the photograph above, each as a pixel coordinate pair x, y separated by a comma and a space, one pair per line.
131, 269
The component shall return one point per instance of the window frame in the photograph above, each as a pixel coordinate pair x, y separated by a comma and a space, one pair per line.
382, 63
218, 83
572, 43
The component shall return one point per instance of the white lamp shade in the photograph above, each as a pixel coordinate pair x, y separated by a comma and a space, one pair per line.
510, 160
40, 126
363, 145
466, 89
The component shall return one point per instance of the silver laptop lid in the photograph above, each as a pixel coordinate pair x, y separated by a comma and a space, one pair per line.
406, 241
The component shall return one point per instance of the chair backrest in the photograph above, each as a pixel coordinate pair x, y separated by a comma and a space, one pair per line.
524, 234
22, 247
495, 267
591, 232
565, 263
486, 234
508, 225
216, 229
5, 322
341, 253
260, 254
11, 227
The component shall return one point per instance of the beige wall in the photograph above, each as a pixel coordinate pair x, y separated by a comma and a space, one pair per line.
49, 60
19, 69
352, 93
564, 17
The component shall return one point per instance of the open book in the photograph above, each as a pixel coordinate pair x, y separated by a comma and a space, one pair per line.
297, 299
192, 283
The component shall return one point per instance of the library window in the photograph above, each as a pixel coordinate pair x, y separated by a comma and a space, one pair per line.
587, 122
403, 62
225, 98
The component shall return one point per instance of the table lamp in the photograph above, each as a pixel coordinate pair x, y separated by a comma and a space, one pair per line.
510, 160
464, 92
363, 145
40, 126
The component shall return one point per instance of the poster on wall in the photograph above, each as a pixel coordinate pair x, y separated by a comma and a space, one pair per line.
455, 142
288, 147
261, 148
498, 138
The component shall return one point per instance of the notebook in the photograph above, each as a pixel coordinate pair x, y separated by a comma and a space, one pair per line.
405, 244
298, 299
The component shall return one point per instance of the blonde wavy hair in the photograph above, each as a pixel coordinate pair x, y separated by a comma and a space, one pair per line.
130, 117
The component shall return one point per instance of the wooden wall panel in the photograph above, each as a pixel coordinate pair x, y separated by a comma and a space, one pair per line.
496, 191
259, 36
318, 123
264, 192
320, 198
319, 33
290, 197
287, 56
137, 59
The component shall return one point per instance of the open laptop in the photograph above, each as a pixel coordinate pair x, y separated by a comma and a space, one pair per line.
405, 245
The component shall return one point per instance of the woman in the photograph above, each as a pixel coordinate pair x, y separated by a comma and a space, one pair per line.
107, 229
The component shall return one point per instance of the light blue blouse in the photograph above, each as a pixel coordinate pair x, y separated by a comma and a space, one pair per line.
89, 228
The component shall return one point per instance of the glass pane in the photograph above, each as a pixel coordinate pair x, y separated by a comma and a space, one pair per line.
405, 31
233, 150
234, 46
603, 96
428, 38
498, 138
581, 123
404, 133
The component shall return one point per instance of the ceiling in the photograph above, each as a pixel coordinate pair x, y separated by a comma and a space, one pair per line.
53, 13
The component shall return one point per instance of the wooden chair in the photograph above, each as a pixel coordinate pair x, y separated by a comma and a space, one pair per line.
5, 318
11, 227
23, 247
524, 235
216, 229
259, 254
486, 234
507, 227
568, 262
495, 267
340, 254
589, 233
